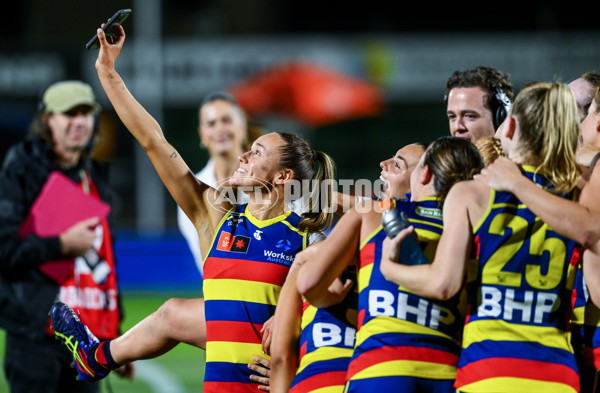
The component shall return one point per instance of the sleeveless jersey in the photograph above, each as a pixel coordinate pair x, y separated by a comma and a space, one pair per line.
243, 273
399, 333
326, 344
515, 337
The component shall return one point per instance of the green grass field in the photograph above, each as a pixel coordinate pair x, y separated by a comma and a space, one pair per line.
179, 371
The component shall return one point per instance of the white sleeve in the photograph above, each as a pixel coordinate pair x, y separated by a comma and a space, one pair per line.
315, 237
188, 230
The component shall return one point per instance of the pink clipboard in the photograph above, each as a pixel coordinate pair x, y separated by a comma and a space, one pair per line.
60, 205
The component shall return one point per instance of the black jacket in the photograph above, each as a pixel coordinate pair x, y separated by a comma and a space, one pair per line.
26, 295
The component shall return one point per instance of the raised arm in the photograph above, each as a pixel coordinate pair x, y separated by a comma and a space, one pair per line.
578, 221
190, 194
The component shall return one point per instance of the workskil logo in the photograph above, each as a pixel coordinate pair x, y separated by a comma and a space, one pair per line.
279, 257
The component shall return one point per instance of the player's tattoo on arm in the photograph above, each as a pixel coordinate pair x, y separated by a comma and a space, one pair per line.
173, 155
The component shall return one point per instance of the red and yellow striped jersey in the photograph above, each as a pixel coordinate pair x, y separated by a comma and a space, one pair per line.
243, 274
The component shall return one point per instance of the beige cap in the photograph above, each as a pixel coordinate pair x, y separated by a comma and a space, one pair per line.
63, 96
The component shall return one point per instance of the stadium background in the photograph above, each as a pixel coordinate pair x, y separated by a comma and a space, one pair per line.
177, 51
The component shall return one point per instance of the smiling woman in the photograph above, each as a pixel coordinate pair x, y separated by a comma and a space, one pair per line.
395, 171
242, 279
224, 132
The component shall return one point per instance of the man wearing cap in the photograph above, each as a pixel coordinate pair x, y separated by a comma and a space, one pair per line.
60, 140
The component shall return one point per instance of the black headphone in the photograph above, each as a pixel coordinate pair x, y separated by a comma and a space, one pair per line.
503, 106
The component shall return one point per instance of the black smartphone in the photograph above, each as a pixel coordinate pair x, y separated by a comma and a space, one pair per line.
110, 28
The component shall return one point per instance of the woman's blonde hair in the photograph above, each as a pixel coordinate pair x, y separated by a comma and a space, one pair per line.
549, 128
308, 164
490, 148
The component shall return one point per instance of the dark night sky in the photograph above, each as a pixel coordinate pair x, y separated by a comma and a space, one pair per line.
38, 22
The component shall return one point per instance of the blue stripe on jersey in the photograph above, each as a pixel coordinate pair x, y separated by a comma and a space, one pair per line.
395, 384
406, 339
320, 367
228, 372
516, 349
231, 310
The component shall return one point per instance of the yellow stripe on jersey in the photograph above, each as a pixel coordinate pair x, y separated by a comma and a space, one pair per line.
578, 315
212, 243
264, 223
514, 385
242, 290
394, 325
411, 368
588, 315
232, 352
482, 330
364, 276
293, 228
487, 211
323, 353
431, 198
426, 234
308, 316
504, 205
371, 236
428, 223
328, 389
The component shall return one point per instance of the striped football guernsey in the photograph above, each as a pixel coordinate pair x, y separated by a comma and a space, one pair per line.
243, 274
516, 333
326, 344
399, 333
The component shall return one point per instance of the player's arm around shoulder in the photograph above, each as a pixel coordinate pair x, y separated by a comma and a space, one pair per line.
334, 254
464, 206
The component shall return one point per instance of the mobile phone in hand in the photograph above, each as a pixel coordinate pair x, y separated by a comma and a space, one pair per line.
110, 29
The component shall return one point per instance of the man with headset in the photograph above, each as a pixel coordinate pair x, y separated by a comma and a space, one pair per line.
478, 101
59, 142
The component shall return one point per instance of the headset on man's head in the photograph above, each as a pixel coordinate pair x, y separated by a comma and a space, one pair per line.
503, 103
